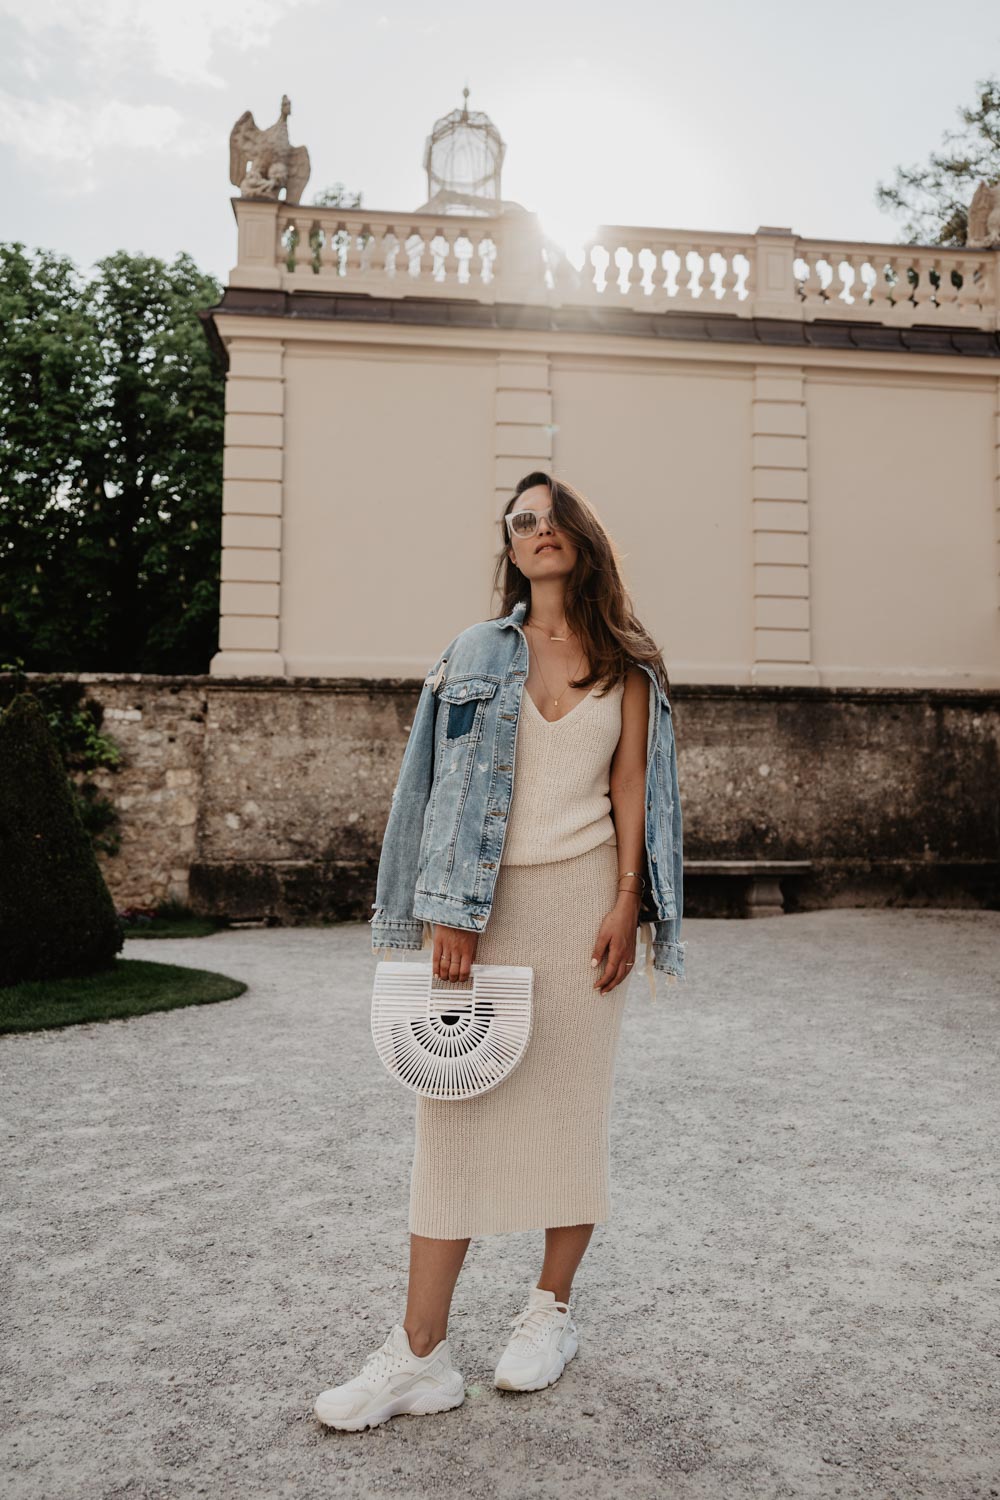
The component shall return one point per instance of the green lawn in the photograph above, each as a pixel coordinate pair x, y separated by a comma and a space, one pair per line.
133, 987
172, 927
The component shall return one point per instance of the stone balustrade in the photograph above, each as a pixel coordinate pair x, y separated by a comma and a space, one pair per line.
508, 258
896, 284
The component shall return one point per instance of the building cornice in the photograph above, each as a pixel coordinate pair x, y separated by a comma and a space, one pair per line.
710, 328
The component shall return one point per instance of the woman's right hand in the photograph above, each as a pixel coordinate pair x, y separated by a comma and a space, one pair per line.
454, 951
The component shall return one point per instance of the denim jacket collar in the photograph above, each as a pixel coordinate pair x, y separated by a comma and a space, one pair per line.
516, 616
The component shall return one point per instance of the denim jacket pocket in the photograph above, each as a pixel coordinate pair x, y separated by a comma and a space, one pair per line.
466, 698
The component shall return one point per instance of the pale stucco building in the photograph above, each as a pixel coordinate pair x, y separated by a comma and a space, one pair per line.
803, 477
795, 443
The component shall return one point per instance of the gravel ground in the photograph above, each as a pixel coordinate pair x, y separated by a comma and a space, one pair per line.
204, 1223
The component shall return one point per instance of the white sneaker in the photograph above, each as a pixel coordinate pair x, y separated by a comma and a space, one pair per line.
543, 1342
391, 1381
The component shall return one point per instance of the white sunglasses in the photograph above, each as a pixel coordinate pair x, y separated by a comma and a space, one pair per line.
525, 522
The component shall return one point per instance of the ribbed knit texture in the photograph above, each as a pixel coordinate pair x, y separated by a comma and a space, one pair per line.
533, 1152
561, 805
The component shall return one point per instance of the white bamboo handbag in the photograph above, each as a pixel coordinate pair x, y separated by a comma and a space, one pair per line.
451, 1044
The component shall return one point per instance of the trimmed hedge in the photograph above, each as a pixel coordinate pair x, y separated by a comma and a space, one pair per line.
57, 918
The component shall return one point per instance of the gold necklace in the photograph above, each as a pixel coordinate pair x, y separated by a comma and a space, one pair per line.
555, 701
551, 637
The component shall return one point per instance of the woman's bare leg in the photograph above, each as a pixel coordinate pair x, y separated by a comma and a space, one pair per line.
434, 1268
564, 1250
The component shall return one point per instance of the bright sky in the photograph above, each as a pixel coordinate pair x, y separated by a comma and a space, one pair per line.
115, 114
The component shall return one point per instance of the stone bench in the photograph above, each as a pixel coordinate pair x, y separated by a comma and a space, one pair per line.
760, 878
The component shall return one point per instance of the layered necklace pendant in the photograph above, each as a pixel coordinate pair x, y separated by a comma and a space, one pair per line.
555, 701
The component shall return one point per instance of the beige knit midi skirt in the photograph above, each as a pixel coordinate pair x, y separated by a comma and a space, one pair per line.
532, 1153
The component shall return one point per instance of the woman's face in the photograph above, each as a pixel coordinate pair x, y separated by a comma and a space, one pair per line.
549, 553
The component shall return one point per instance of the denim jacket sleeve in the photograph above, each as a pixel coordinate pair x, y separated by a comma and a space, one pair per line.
668, 948
664, 949
393, 923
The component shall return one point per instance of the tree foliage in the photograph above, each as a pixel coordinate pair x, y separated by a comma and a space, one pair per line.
111, 417
57, 917
76, 724
936, 197
337, 196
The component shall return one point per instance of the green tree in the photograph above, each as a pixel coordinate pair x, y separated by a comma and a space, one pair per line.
936, 197
111, 417
75, 723
337, 196
57, 917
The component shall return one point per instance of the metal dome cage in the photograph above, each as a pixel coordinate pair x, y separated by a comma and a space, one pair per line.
462, 158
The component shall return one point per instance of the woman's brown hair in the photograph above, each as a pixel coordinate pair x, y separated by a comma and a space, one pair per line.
598, 605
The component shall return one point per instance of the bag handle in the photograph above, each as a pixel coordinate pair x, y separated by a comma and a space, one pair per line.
464, 999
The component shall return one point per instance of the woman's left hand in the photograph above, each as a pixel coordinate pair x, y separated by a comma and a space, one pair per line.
615, 943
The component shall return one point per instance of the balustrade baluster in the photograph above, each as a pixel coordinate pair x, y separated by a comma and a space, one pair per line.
388, 252
947, 294
591, 272
833, 291
854, 286
881, 289
661, 297
449, 258
328, 257
808, 282
624, 259
729, 279
923, 293
351, 251
701, 279
419, 255
901, 290
369, 257
682, 276
485, 258
286, 253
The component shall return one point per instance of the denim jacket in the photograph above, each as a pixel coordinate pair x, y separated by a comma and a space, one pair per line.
448, 817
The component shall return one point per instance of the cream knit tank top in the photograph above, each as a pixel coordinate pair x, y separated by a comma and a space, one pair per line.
561, 805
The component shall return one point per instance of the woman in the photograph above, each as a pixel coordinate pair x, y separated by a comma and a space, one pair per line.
556, 875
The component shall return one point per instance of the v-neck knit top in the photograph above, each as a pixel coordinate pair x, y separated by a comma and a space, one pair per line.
561, 804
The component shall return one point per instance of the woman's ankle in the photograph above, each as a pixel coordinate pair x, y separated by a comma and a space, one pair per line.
423, 1338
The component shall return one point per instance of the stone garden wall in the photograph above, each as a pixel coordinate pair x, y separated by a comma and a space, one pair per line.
267, 798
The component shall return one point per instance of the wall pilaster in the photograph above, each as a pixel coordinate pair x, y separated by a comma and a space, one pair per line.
782, 643
250, 603
523, 420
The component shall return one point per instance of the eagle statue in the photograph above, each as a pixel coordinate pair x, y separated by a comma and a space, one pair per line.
983, 231
262, 162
